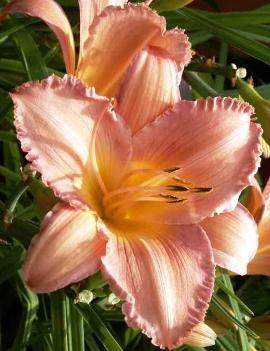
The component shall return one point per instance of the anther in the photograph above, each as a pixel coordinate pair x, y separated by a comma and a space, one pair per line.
172, 169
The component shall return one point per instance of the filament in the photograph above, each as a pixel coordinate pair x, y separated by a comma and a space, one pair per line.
94, 155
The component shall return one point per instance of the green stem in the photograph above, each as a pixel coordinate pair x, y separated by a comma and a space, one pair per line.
242, 334
223, 54
59, 315
199, 85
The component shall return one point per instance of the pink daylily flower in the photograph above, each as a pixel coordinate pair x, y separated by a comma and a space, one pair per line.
258, 203
149, 184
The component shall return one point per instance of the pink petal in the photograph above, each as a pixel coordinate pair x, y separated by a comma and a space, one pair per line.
214, 144
150, 86
234, 238
166, 278
89, 9
51, 13
66, 250
54, 121
103, 68
176, 43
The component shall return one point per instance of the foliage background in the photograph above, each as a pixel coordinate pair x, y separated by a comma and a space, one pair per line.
30, 51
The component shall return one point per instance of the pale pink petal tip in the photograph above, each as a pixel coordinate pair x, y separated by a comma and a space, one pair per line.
215, 143
66, 250
166, 282
177, 44
234, 238
54, 119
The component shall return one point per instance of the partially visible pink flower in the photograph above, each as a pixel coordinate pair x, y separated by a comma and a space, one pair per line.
147, 183
258, 204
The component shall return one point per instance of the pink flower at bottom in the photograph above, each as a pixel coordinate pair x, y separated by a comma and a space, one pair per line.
135, 203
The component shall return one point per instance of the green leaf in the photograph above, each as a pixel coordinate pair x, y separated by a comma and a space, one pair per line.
29, 302
33, 61
11, 259
99, 327
230, 36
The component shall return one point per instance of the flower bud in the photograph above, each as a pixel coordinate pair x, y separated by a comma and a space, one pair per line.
261, 105
201, 336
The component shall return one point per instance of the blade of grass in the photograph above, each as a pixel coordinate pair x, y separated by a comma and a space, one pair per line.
76, 328
231, 293
242, 334
11, 259
216, 302
251, 47
29, 302
33, 61
99, 327
198, 84
59, 316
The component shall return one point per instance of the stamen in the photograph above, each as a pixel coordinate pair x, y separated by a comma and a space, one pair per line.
201, 190
123, 204
172, 169
146, 171
151, 190
94, 155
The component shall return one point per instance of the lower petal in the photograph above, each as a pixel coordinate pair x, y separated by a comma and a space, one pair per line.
67, 249
166, 278
234, 238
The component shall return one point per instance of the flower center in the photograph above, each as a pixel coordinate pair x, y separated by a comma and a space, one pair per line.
162, 186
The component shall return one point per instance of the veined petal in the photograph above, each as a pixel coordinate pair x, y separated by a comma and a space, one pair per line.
89, 9
54, 119
106, 59
176, 43
151, 85
213, 143
51, 13
233, 236
201, 336
113, 148
166, 279
67, 249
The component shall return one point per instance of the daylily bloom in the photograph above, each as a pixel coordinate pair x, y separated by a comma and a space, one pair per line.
146, 183
132, 201
258, 204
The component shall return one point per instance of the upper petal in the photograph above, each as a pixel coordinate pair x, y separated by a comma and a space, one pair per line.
233, 236
213, 143
176, 43
166, 279
67, 249
54, 121
51, 13
150, 86
105, 58
89, 9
